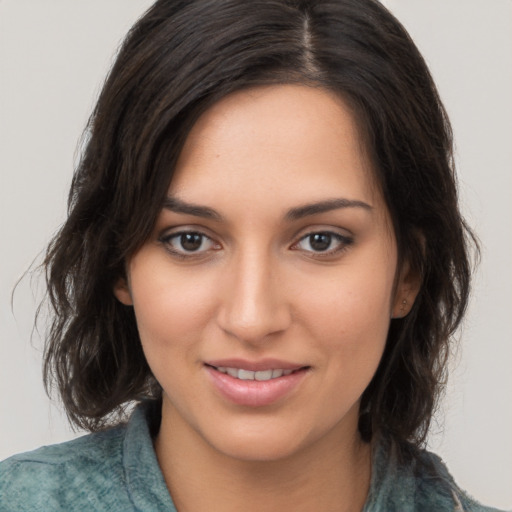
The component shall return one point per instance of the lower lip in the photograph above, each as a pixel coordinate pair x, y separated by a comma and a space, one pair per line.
254, 393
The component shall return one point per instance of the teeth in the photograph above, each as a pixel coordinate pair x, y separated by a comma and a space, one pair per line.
262, 375
233, 372
246, 374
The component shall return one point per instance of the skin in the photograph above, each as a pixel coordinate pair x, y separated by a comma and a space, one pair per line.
257, 287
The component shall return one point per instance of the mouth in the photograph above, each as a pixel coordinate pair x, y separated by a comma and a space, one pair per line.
255, 384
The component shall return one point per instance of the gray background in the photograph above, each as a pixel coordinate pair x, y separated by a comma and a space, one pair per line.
53, 57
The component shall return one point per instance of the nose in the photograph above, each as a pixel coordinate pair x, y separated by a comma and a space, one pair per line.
254, 304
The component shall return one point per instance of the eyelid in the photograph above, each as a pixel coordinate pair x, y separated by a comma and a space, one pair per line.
170, 233
345, 241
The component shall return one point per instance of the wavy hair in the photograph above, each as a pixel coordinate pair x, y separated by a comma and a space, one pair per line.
178, 60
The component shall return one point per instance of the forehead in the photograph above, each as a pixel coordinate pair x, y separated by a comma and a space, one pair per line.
289, 142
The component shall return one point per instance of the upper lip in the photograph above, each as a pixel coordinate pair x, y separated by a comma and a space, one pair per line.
254, 366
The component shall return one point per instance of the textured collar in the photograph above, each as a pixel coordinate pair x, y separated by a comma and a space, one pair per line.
144, 480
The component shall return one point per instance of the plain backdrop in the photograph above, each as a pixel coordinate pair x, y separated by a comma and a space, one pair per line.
54, 55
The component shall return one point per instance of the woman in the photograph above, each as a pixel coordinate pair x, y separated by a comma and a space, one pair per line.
264, 248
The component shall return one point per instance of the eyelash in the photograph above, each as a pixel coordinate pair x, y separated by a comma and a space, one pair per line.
343, 242
166, 240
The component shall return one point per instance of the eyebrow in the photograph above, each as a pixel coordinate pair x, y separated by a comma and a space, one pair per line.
179, 206
325, 206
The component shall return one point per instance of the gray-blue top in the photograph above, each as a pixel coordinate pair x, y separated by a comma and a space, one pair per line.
117, 470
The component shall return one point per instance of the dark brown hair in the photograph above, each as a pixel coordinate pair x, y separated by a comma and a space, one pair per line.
180, 58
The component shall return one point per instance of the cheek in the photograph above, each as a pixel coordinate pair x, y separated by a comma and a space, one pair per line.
348, 316
347, 304
172, 314
169, 306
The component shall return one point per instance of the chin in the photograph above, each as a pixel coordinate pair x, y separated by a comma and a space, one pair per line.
267, 441
262, 448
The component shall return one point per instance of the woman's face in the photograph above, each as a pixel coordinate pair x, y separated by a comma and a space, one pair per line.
264, 295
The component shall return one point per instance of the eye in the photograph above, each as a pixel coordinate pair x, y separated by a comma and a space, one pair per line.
323, 243
188, 243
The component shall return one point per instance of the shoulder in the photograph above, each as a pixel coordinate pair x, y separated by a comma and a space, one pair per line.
435, 480
76, 475
416, 480
115, 471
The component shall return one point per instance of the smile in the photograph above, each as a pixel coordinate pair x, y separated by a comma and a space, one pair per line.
261, 375
266, 383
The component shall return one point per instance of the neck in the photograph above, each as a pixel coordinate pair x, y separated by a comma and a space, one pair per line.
332, 475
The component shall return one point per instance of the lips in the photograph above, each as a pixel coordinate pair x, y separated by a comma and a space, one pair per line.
255, 384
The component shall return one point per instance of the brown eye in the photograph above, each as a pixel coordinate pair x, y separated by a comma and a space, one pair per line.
320, 241
323, 242
191, 241
188, 243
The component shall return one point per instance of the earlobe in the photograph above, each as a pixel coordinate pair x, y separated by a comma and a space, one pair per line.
122, 292
407, 290
401, 308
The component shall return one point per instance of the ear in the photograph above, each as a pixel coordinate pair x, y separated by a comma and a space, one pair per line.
122, 292
407, 289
